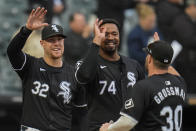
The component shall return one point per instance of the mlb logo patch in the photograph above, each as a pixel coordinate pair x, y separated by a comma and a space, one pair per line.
129, 104
167, 83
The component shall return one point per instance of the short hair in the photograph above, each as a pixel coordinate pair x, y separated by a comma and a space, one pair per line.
110, 21
71, 17
160, 65
144, 10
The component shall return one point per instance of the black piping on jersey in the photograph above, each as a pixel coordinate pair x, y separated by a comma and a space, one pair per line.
22, 65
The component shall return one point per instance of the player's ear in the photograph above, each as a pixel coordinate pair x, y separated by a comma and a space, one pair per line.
150, 59
41, 42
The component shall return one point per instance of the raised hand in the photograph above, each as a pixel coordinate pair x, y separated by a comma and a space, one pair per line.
156, 36
36, 19
98, 32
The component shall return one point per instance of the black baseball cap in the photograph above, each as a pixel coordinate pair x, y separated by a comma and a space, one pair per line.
52, 30
161, 51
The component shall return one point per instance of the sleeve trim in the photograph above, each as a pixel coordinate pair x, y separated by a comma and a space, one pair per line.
77, 78
84, 105
129, 117
23, 63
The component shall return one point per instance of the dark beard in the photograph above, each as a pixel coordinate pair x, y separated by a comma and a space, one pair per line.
108, 52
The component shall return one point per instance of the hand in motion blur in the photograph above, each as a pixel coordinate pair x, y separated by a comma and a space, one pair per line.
98, 32
36, 19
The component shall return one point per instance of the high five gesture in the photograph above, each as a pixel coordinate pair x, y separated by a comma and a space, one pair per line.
98, 32
36, 19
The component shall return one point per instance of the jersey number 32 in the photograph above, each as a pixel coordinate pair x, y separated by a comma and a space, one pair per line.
40, 89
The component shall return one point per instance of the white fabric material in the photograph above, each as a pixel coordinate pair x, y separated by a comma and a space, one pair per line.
177, 47
78, 64
124, 123
84, 105
29, 128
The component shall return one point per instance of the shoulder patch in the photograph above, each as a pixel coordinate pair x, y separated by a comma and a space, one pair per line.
129, 104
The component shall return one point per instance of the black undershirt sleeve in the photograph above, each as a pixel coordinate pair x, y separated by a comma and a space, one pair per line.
86, 70
14, 50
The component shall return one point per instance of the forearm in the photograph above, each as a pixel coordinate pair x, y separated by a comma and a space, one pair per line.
14, 50
86, 70
122, 124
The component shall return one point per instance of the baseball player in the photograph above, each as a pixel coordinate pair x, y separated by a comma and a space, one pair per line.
48, 85
106, 74
155, 103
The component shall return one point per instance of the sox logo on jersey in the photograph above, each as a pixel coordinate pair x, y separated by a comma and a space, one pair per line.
65, 92
131, 78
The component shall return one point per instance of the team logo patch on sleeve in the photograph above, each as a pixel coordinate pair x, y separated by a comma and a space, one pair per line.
65, 92
129, 104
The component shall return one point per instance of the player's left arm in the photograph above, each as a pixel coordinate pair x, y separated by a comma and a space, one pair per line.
171, 70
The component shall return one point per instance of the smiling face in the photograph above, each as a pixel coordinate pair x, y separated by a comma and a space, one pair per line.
53, 47
110, 45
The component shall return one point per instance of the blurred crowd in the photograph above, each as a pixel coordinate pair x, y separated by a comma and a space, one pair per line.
174, 20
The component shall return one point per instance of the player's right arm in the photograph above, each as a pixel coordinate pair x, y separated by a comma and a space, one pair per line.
86, 69
136, 103
14, 50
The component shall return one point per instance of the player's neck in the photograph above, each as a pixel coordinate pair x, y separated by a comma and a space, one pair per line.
156, 71
54, 62
114, 57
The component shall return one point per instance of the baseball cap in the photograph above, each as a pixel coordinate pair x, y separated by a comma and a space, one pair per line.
161, 51
52, 30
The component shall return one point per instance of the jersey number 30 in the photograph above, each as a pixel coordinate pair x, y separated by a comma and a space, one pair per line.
111, 87
40, 89
173, 119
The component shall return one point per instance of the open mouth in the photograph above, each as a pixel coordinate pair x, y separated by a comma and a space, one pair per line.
56, 49
110, 44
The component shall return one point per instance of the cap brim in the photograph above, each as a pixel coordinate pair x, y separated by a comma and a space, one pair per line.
59, 34
145, 50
